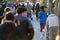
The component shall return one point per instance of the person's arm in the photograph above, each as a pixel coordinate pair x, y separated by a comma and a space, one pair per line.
30, 30
39, 14
47, 29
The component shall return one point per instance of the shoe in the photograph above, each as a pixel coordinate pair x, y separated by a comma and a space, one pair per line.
43, 30
41, 35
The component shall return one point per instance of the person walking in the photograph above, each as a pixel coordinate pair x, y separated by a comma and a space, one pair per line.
25, 28
33, 9
42, 16
7, 29
37, 10
53, 24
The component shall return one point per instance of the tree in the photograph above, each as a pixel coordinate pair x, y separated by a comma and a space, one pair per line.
1, 0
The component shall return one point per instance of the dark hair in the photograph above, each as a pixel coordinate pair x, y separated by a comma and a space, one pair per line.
20, 10
37, 4
42, 7
9, 16
7, 9
52, 6
45, 6
23, 5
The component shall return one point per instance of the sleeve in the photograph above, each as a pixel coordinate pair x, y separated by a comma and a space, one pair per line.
30, 30
46, 14
39, 15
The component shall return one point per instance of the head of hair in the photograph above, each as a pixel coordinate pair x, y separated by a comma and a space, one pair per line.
6, 9
9, 16
23, 5
52, 6
20, 10
42, 7
37, 4
45, 6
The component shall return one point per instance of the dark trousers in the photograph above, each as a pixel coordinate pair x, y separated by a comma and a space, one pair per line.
42, 26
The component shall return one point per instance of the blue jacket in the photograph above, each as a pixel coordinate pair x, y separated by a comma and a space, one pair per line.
42, 15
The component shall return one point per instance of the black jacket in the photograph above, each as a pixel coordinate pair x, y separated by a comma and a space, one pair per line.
7, 31
1, 13
25, 28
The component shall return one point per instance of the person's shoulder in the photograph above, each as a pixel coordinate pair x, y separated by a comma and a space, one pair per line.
2, 26
26, 19
40, 12
51, 15
16, 16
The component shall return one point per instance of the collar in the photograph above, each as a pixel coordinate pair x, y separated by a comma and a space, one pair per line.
18, 15
9, 21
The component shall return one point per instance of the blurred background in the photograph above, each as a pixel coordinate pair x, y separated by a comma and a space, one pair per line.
52, 7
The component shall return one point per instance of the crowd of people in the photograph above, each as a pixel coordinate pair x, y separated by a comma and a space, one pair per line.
51, 21
15, 25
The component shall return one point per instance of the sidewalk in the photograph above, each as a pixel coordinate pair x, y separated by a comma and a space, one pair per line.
36, 27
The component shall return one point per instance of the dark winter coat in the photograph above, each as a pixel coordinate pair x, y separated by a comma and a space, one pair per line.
25, 28
7, 31
1, 13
